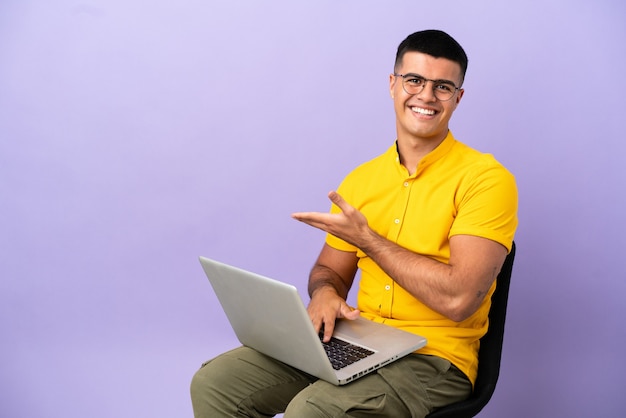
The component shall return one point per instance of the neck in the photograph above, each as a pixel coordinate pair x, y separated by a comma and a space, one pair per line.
413, 150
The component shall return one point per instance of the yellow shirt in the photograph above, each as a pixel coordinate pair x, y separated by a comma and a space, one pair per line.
455, 191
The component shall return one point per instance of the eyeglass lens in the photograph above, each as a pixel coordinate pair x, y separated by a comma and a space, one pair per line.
442, 90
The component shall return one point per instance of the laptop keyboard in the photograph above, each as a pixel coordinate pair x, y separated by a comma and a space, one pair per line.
342, 353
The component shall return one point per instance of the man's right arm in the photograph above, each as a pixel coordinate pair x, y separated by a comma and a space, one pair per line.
329, 282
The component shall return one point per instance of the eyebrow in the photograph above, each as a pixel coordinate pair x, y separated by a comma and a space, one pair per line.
439, 80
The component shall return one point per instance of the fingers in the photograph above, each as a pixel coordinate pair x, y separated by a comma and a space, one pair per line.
345, 311
329, 328
327, 222
336, 198
324, 313
339, 201
321, 216
316, 219
349, 313
323, 321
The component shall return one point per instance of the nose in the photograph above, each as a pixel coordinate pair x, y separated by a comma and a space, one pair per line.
428, 92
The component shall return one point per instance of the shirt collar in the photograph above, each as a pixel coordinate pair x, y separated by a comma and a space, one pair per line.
439, 152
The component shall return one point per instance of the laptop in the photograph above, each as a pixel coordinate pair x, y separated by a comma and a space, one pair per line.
270, 317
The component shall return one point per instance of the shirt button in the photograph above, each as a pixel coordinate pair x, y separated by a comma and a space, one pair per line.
406, 184
396, 221
387, 287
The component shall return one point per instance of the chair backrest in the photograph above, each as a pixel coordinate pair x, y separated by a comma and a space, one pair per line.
490, 351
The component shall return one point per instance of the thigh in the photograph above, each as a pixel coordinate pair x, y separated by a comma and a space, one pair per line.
244, 382
426, 383
369, 396
410, 387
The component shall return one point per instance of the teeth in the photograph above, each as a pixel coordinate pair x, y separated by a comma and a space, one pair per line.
423, 111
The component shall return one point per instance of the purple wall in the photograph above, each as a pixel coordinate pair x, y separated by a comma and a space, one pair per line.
137, 135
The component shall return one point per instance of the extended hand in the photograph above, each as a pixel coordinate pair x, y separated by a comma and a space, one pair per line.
350, 225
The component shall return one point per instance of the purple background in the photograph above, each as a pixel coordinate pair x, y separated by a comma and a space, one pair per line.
137, 135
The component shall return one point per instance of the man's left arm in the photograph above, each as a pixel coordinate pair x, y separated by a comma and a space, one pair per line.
455, 290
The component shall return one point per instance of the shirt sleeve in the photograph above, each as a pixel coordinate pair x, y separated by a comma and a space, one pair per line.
487, 206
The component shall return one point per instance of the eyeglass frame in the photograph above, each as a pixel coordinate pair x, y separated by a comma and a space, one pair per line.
440, 81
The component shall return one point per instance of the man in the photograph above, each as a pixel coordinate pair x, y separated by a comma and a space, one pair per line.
429, 224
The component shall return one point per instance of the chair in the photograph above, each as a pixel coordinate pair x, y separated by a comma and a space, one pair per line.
489, 354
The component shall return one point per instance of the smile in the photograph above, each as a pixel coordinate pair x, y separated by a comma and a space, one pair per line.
422, 111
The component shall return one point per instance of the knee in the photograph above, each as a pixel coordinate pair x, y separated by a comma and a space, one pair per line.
209, 391
310, 403
198, 382
200, 386
300, 407
214, 376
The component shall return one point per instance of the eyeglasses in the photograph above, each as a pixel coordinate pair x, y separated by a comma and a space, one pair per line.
414, 84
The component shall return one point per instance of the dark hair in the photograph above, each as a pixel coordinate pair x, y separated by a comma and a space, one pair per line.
435, 43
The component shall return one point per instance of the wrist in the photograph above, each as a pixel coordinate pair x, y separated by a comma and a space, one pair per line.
371, 242
321, 288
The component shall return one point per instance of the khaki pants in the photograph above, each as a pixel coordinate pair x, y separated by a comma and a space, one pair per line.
245, 383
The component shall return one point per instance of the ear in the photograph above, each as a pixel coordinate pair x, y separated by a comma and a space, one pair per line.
392, 85
459, 96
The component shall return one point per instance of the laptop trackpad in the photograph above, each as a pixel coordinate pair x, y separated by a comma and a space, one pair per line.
354, 329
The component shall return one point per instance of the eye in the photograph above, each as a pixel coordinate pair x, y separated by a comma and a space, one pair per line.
448, 88
414, 81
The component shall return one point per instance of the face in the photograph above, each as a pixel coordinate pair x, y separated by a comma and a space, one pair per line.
422, 117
